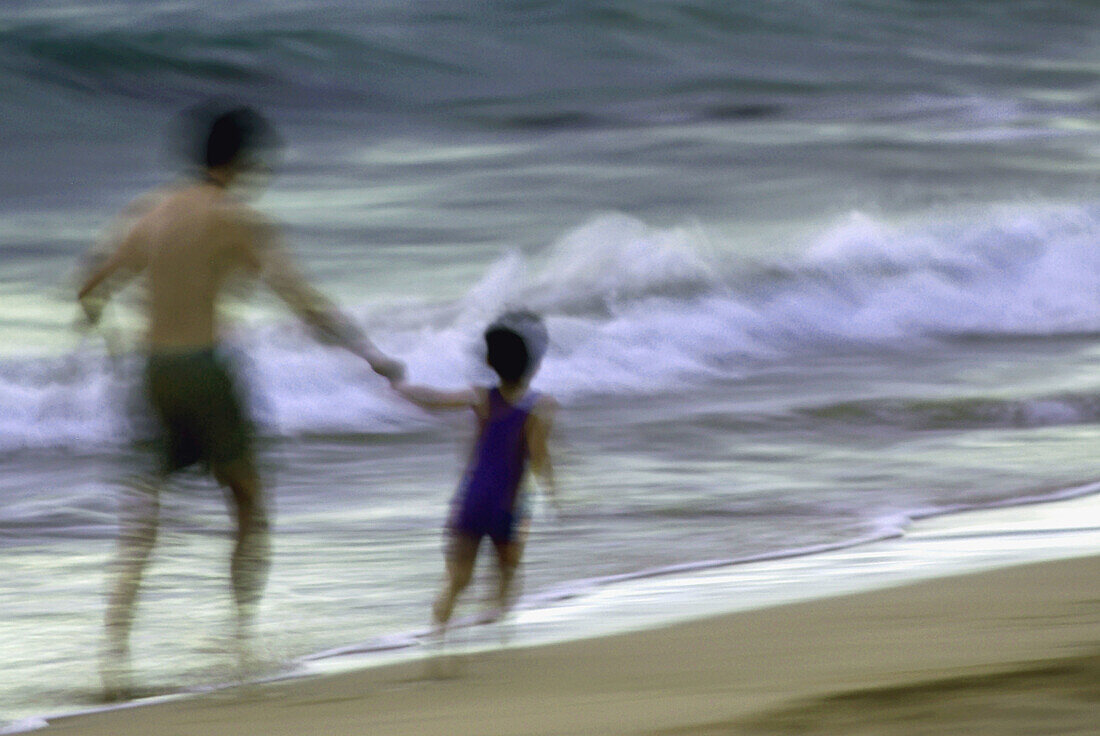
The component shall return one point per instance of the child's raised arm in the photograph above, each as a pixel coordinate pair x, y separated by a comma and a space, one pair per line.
427, 397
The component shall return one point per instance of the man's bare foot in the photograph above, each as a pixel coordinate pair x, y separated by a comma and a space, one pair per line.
114, 672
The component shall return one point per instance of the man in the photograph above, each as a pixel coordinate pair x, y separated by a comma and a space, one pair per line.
187, 242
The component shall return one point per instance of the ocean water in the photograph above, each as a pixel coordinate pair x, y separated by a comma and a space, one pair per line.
810, 270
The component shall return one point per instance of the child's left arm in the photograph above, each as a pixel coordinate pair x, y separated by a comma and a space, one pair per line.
539, 425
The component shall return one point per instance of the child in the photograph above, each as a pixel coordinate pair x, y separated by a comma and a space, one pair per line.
513, 424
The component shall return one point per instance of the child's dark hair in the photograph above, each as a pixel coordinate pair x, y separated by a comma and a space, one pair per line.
218, 133
514, 345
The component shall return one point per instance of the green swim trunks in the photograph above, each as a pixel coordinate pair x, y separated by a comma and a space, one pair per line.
201, 414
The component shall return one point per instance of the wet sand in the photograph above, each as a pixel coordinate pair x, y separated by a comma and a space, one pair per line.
1009, 651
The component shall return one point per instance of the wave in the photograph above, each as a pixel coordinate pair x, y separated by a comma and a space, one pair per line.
635, 310
539, 64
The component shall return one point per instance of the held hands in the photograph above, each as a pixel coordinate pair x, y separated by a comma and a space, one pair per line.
336, 328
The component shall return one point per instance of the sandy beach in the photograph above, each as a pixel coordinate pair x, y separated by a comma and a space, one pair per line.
1008, 651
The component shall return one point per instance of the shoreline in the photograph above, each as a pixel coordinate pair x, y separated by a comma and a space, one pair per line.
921, 547
569, 621
866, 654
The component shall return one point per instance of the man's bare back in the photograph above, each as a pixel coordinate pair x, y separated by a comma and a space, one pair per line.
188, 244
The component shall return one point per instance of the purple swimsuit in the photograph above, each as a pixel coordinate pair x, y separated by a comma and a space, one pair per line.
486, 502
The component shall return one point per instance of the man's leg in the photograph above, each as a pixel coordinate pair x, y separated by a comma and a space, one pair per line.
139, 507
252, 549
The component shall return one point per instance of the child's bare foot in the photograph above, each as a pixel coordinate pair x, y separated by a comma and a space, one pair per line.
440, 664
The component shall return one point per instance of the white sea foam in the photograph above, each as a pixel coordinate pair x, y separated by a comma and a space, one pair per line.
633, 310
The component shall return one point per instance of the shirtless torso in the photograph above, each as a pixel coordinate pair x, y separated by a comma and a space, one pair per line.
187, 242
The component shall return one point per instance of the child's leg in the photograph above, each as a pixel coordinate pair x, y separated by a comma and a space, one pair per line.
461, 555
509, 555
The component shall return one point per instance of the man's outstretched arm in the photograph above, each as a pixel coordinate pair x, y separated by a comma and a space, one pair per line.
278, 270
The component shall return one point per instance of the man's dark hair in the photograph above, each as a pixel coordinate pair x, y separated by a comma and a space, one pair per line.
217, 134
506, 353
